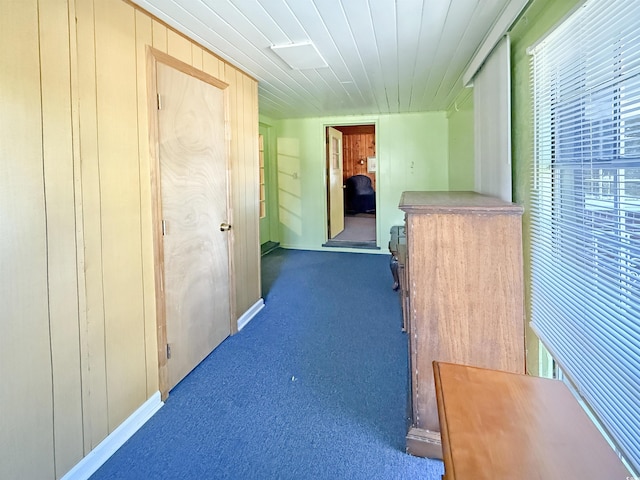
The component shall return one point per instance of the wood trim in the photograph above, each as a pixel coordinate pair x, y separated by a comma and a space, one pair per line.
153, 57
144, 37
156, 216
183, 67
230, 216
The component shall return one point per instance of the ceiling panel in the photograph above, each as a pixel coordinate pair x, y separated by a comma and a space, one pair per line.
354, 73
383, 56
368, 74
410, 21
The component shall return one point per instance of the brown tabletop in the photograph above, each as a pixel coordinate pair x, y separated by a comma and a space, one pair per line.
498, 425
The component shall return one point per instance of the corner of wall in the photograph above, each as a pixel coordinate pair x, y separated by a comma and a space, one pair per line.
461, 141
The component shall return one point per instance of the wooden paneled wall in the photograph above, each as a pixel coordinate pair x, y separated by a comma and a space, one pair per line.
78, 349
25, 343
358, 143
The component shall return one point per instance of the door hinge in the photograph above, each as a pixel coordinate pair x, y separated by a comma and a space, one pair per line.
159, 101
164, 227
168, 351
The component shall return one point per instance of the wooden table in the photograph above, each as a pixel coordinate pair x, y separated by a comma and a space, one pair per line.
498, 425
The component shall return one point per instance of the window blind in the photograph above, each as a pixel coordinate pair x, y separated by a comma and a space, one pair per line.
585, 229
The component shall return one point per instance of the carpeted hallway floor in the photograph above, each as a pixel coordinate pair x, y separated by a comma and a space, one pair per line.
358, 228
313, 388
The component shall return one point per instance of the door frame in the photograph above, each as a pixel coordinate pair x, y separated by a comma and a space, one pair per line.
325, 136
329, 173
271, 183
153, 57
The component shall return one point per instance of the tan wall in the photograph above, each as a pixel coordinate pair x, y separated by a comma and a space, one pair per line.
78, 349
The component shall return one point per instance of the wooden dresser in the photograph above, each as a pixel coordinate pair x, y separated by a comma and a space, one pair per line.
464, 278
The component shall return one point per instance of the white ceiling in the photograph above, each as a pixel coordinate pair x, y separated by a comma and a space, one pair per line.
383, 56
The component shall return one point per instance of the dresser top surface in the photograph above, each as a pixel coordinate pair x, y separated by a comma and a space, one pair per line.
499, 425
455, 202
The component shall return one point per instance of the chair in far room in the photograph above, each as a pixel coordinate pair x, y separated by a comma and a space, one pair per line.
359, 195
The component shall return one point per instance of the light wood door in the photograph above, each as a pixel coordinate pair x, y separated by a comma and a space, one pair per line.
336, 191
193, 171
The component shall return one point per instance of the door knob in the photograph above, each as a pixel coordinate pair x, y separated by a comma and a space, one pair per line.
224, 227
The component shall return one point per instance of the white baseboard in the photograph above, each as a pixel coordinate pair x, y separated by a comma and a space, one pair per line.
99, 455
247, 316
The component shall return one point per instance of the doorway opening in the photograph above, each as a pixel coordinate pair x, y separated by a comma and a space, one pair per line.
351, 186
268, 202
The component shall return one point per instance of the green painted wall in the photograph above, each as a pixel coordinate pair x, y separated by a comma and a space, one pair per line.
461, 148
412, 154
538, 19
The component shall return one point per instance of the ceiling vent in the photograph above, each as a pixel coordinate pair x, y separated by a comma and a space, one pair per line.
300, 56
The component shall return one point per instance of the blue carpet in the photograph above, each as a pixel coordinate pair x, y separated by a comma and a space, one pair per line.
315, 387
